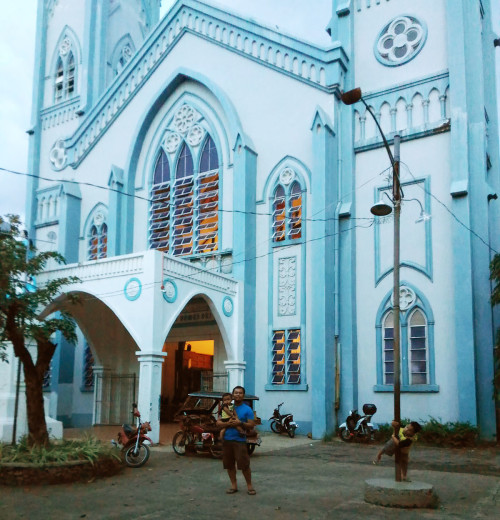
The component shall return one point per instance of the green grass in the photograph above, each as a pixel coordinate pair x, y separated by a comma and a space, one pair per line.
88, 449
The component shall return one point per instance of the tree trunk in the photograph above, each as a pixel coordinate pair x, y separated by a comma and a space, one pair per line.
37, 427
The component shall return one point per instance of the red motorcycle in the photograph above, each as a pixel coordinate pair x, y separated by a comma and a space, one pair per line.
131, 441
198, 433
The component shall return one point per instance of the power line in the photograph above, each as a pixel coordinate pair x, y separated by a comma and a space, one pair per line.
167, 204
449, 210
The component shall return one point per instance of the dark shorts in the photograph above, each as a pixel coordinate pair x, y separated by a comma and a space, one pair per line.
235, 452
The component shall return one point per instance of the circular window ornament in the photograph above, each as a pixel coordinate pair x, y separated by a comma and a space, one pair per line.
287, 176
184, 119
407, 298
400, 40
227, 306
169, 290
57, 155
132, 289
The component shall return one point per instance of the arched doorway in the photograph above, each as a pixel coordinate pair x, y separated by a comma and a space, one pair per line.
195, 357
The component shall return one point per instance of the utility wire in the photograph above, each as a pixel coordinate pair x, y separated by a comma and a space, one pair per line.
419, 184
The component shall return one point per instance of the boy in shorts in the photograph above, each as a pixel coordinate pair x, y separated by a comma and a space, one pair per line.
405, 439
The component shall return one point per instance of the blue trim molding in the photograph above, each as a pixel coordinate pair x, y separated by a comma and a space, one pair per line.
134, 292
169, 290
227, 306
427, 268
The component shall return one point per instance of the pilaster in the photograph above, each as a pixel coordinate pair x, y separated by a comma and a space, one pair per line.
324, 194
236, 375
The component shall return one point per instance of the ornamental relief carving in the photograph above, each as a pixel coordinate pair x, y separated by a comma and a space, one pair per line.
184, 125
287, 282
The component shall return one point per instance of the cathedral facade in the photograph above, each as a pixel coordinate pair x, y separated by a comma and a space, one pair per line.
208, 187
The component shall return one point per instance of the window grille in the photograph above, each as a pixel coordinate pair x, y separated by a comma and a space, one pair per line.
159, 217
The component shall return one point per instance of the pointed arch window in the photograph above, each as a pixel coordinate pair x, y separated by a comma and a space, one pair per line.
65, 71
70, 83
159, 219
98, 242
279, 213
188, 204
182, 222
295, 212
416, 344
207, 199
88, 369
287, 213
59, 83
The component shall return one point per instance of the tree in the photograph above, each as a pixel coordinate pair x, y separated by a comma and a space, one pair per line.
20, 324
495, 300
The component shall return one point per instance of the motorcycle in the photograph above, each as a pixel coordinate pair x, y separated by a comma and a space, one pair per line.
359, 426
198, 433
283, 422
131, 441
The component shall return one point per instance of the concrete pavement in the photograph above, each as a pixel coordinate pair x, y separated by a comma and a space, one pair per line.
294, 478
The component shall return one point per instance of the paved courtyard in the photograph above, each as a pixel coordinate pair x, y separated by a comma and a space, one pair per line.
294, 478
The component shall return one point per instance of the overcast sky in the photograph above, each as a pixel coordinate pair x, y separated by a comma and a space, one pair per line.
17, 47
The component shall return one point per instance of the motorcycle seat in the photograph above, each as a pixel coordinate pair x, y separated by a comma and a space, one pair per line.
128, 429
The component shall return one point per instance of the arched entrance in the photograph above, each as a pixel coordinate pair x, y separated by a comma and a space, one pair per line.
195, 357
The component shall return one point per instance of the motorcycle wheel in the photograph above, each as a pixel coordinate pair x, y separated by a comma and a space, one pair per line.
250, 448
291, 432
275, 427
180, 441
216, 450
136, 460
345, 435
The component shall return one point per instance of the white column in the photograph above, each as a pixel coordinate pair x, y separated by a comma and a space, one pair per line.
150, 390
235, 373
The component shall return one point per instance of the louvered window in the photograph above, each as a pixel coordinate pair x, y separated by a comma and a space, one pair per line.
98, 242
185, 220
159, 217
286, 352
59, 83
279, 213
207, 200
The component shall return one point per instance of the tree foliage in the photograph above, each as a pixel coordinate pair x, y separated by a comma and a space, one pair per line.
495, 300
21, 302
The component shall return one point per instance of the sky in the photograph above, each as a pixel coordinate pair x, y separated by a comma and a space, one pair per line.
17, 48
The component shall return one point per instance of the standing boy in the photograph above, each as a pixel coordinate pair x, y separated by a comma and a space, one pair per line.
234, 449
405, 439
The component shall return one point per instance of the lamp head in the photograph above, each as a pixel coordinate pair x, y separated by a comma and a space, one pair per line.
351, 96
381, 209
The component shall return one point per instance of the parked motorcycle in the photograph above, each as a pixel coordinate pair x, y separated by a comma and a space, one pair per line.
198, 433
131, 441
359, 426
283, 422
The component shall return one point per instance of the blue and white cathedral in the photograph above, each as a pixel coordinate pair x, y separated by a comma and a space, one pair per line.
206, 184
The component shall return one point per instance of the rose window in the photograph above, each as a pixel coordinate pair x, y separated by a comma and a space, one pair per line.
184, 118
400, 41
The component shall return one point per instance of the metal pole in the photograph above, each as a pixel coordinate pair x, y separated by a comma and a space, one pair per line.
16, 402
396, 195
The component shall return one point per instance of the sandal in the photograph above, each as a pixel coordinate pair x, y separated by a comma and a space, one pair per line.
231, 491
252, 492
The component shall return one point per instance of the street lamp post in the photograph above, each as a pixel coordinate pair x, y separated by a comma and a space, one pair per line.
380, 209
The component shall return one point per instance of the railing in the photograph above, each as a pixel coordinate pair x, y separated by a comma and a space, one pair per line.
188, 272
413, 109
96, 270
